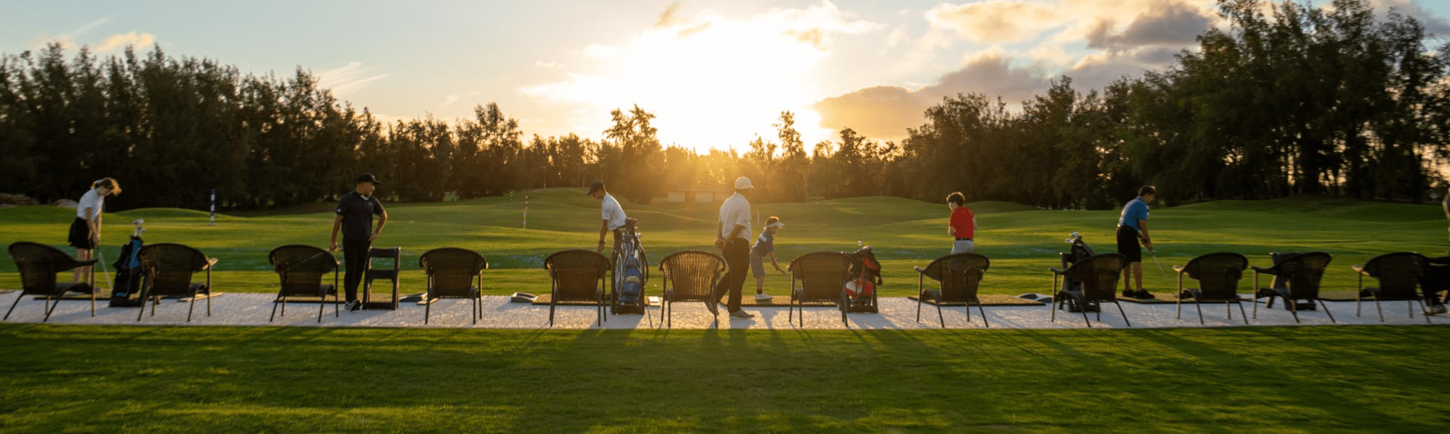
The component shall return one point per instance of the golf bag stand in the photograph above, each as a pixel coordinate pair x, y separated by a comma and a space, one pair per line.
126, 290
631, 271
1078, 250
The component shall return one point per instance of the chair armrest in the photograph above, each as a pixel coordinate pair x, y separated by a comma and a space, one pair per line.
1259, 269
1057, 270
210, 262
1178, 268
1359, 269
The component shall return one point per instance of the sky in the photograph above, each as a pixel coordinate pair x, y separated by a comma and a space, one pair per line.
716, 74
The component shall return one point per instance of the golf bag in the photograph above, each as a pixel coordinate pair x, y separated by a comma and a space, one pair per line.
631, 271
126, 290
865, 276
1078, 250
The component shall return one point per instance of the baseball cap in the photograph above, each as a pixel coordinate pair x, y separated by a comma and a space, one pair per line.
743, 183
775, 225
368, 177
595, 186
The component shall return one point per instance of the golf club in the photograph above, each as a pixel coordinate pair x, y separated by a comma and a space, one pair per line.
1160, 269
107, 273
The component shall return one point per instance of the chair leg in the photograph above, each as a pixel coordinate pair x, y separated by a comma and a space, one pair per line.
1056, 304
1376, 307
191, 307
1198, 306
1244, 314
474, 311
939, 316
208, 300
143, 307
336, 312
93, 301
1256, 306
918, 307
17, 301
1356, 305
1125, 313
551, 312
427, 308
274, 310
1426, 307
983, 311
321, 303
1179, 302
1293, 309
1229, 310
49, 307
1327, 312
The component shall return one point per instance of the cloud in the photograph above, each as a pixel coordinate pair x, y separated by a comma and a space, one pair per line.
887, 111
348, 79
1163, 24
897, 37
550, 65
669, 17
132, 39
447, 101
996, 21
68, 40
1434, 25
599, 51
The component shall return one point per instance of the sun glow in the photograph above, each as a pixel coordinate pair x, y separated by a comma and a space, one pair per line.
713, 82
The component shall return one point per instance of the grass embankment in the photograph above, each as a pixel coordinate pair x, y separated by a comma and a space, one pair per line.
1021, 241
221, 379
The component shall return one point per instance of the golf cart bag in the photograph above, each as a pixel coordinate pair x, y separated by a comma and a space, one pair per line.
631, 272
865, 276
1077, 251
126, 290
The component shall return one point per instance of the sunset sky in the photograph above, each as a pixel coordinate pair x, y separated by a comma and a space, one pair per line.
716, 74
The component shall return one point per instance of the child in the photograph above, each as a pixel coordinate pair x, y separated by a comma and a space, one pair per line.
962, 223
764, 246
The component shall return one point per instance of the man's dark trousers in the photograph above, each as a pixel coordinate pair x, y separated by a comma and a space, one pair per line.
355, 258
737, 257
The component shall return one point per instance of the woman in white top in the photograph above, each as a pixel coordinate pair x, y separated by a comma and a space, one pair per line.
85, 231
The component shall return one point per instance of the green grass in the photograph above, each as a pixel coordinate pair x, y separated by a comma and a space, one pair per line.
1021, 241
264, 379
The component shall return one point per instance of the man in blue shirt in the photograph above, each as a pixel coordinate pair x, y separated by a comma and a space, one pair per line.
1132, 226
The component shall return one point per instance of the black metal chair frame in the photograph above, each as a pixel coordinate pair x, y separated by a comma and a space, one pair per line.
670, 297
475, 291
601, 314
1288, 292
1197, 293
798, 293
149, 273
967, 274
322, 290
392, 275
1374, 292
58, 290
1080, 297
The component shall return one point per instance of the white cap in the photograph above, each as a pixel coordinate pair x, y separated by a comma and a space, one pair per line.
743, 183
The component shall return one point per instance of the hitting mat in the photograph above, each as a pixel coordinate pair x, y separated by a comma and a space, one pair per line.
989, 300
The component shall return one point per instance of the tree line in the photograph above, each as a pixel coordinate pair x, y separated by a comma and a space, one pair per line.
1301, 100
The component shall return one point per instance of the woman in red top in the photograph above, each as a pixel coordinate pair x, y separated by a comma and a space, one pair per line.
962, 224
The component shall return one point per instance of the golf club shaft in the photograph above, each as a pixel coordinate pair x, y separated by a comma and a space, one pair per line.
104, 271
1160, 269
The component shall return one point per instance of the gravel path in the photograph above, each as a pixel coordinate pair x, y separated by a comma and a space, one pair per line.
252, 309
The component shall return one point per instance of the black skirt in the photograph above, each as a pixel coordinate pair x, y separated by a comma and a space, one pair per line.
80, 235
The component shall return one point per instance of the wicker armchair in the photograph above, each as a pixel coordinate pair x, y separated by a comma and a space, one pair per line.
1218, 276
451, 273
578, 275
690, 275
168, 269
958, 279
301, 269
1301, 274
1097, 278
38, 264
1399, 277
819, 276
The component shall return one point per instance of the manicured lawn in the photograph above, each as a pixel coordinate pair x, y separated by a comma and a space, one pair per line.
1021, 241
56, 378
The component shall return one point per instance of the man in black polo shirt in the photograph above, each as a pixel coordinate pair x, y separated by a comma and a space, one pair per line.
355, 217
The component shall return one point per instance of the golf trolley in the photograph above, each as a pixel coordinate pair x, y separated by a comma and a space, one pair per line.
631, 272
1078, 250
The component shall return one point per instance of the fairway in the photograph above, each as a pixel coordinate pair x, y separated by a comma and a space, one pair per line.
1022, 241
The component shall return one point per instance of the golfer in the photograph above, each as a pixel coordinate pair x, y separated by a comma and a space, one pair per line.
612, 213
355, 213
962, 223
1132, 226
85, 230
764, 247
733, 239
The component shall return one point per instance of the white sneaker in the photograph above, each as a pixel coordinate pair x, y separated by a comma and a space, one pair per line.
762, 297
1435, 310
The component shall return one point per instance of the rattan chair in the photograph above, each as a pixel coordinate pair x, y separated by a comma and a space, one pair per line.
819, 276
301, 269
1301, 274
167, 269
1218, 276
958, 279
451, 273
1097, 279
690, 275
578, 275
38, 265
1399, 279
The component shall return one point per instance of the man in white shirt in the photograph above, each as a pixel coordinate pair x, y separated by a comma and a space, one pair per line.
732, 237
610, 211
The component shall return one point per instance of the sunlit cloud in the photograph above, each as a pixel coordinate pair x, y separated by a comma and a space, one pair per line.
712, 81
132, 39
550, 65
349, 79
68, 40
996, 21
447, 101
